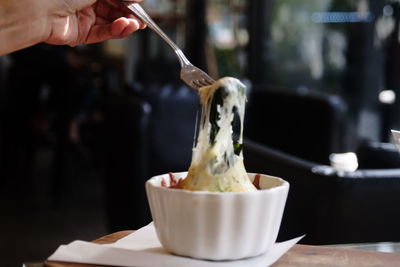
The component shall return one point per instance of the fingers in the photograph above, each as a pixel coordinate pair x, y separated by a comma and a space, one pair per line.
142, 25
112, 23
124, 27
120, 28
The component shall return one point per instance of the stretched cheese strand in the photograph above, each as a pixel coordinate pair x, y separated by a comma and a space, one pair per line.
217, 161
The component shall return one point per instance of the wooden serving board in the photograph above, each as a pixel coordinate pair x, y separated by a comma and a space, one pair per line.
318, 256
298, 256
108, 239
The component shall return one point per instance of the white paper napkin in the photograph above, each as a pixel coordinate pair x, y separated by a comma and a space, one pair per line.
142, 249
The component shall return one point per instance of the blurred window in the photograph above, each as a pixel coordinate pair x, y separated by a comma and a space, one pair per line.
348, 48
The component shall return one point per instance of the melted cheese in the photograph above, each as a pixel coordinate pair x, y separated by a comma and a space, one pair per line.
217, 160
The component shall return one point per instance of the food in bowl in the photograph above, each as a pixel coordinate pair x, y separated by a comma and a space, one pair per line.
215, 210
217, 225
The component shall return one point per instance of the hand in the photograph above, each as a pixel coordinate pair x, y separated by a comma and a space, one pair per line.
74, 22
24, 23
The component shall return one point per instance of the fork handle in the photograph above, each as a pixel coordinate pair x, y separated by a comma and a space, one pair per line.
139, 12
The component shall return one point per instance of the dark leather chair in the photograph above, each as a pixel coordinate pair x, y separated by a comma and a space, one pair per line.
310, 126
171, 127
332, 206
148, 132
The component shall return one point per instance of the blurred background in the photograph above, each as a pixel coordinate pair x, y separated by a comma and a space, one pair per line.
82, 128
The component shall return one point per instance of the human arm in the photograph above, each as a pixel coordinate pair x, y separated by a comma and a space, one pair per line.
27, 22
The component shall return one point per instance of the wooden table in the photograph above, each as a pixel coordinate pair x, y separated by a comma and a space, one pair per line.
298, 256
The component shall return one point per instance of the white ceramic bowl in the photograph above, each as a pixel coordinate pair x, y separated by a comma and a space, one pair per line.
217, 226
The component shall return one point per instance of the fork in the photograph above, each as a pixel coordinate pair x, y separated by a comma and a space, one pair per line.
190, 74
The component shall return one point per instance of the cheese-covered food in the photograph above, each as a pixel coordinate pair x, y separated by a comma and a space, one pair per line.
217, 160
